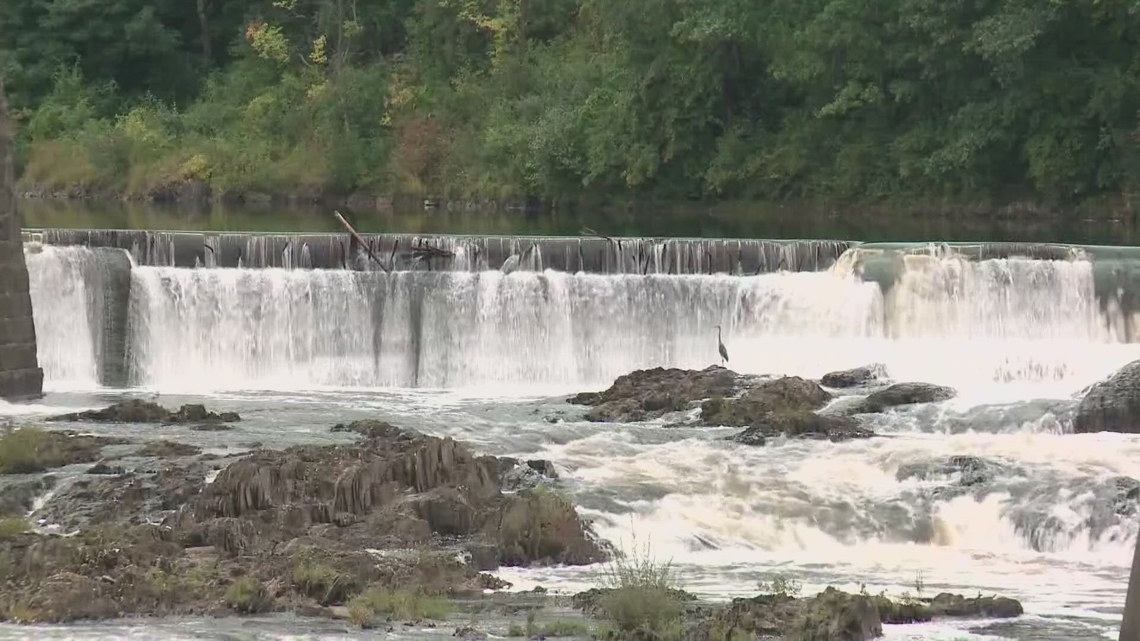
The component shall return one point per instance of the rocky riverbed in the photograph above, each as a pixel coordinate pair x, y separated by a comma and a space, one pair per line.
395, 528
767, 407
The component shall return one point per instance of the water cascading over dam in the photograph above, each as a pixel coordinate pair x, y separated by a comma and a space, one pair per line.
1017, 318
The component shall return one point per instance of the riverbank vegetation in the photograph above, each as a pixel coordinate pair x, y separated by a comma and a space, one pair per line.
818, 101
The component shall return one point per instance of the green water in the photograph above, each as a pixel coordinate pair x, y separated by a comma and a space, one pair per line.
736, 221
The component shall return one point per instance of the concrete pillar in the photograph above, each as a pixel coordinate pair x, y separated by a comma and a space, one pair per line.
20, 374
1130, 626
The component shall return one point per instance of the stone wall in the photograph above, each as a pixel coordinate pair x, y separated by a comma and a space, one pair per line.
20, 374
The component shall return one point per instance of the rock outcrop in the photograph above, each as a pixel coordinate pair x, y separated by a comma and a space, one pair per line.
646, 394
768, 408
306, 528
902, 394
1112, 405
827, 616
138, 411
787, 395
855, 377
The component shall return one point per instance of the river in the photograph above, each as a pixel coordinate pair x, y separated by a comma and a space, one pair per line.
489, 358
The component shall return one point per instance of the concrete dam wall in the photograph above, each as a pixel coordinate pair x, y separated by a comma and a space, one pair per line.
409, 252
20, 374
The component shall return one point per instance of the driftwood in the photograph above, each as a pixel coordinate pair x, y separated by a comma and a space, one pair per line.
360, 240
586, 231
422, 251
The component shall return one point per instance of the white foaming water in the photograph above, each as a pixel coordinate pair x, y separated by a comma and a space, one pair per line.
729, 516
61, 303
293, 328
1031, 326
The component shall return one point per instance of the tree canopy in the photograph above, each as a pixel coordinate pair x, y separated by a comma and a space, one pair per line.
821, 100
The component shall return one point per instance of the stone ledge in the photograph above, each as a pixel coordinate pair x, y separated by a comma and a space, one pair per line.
22, 383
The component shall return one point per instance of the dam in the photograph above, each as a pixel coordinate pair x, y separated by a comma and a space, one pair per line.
446, 311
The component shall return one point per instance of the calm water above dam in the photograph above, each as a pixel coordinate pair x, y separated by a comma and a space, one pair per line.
737, 221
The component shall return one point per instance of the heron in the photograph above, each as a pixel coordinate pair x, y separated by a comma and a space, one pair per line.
720, 347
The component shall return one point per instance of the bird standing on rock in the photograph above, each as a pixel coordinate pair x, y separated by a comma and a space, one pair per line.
720, 347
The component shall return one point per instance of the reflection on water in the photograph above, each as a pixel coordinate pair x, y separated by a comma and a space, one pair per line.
723, 221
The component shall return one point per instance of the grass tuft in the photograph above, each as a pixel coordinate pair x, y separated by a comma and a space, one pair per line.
247, 595
640, 596
365, 609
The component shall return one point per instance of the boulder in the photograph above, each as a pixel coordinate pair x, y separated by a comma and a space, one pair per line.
833, 615
1112, 405
972, 470
790, 394
902, 394
981, 607
856, 377
515, 475
802, 425
830, 615
651, 393
139, 411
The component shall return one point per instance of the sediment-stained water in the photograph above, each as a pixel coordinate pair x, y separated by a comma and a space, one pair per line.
489, 358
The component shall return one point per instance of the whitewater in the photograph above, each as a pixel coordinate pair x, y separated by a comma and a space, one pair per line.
488, 358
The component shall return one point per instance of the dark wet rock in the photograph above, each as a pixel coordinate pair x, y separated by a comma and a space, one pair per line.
830, 615
802, 425
372, 429
856, 377
515, 475
101, 468
211, 427
946, 605
303, 529
902, 394
837, 616
651, 393
903, 611
980, 607
168, 449
790, 394
18, 497
1125, 495
1113, 404
139, 411
972, 470
127, 499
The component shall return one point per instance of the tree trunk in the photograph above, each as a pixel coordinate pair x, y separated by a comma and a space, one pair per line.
204, 25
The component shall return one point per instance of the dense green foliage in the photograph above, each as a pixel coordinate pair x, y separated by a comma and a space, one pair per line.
823, 100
